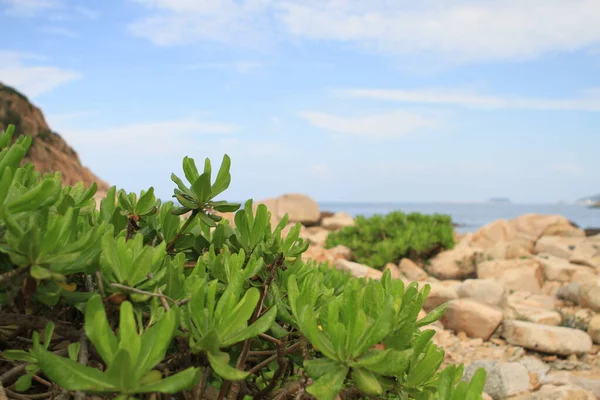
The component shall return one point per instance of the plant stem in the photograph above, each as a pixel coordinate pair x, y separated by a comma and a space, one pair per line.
138, 291
83, 359
171, 244
13, 273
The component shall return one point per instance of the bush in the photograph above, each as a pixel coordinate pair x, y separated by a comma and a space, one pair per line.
131, 300
379, 240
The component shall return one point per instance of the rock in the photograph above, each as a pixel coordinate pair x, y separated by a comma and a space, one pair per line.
559, 269
552, 392
341, 251
394, 271
521, 274
358, 270
592, 231
535, 366
589, 295
569, 292
315, 235
545, 338
536, 315
475, 319
583, 251
484, 291
527, 299
503, 379
504, 239
594, 329
438, 295
411, 270
337, 221
299, 207
318, 254
457, 263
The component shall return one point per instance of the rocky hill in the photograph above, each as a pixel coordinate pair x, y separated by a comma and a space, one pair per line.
49, 152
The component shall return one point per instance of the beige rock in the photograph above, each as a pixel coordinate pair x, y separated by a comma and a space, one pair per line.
519, 274
559, 269
503, 378
552, 392
583, 251
594, 329
358, 270
341, 251
584, 276
337, 221
545, 338
589, 295
412, 271
315, 235
394, 271
469, 316
536, 315
318, 254
438, 295
299, 207
484, 291
458, 263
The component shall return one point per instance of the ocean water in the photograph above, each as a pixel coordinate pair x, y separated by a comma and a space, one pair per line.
472, 216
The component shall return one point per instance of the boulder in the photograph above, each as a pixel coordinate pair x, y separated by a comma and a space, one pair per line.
583, 251
358, 270
569, 292
484, 291
534, 314
503, 379
514, 275
594, 329
315, 235
318, 254
546, 338
337, 221
439, 294
394, 271
475, 319
553, 392
299, 207
589, 295
341, 251
412, 271
559, 269
458, 263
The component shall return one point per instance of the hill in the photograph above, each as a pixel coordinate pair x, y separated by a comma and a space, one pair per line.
49, 151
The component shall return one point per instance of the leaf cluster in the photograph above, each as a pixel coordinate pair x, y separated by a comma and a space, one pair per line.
136, 297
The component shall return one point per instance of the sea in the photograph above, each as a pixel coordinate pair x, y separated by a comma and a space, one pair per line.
469, 217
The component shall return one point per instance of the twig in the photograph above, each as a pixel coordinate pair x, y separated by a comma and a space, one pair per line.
41, 380
100, 283
13, 273
269, 360
2, 393
37, 322
138, 291
271, 339
282, 363
163, 301
171, 244
83, 359
201, 386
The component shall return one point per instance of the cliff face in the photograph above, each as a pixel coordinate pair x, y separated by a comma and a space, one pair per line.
49, 152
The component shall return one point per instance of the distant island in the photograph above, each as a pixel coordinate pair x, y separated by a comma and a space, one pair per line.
502, 200
592, 201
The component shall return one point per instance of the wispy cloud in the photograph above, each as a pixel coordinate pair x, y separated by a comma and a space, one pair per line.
458, 30
57, 30
377, 126
241, 67
587, 101
29, 8
25, 72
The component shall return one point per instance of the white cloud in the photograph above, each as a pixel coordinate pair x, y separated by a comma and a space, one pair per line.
57, 30
150, 139
242, 67
32, 79
29, 8
587, 101
377, 126
460, 30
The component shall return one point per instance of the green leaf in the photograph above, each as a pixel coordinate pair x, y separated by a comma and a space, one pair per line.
318, 367
156, 340
184, 380
329, 385
40, 273
98, 330
71, 375
73, 350
260, 326
190, 170
433, 316
201, 188
19, 355
23, 383
220, 364
146, 202
366, 382
223, 178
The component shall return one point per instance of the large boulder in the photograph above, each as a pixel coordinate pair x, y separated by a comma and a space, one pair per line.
516, 238
546, 338
475, 319
411, 271
299, 207
514, 275
457, 263
559, 269
484, 291
503, 379
577, 250
440, 293
337, 221
358, 270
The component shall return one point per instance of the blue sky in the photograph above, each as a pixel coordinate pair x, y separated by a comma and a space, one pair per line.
344, 100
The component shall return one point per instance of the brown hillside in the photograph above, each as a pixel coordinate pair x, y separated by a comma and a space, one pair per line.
49, 152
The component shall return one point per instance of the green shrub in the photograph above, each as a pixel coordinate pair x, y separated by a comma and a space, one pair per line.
142, 297
378, 240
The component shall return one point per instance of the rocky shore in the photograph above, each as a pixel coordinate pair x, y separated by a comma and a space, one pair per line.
523, 298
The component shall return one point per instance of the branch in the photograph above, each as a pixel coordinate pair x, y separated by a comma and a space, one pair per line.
83, 359
171, 244
13, 273
37, 322
138, 291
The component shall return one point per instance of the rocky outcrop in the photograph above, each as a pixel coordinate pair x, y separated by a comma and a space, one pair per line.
49, 152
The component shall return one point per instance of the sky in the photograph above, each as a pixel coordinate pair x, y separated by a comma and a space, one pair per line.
342, 100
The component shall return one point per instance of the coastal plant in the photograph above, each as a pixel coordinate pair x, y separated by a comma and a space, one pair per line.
381, 239
138, 298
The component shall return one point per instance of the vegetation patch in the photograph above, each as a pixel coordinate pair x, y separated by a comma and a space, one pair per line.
378, 240
135, 301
